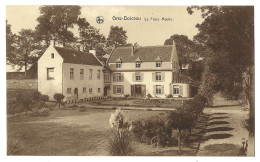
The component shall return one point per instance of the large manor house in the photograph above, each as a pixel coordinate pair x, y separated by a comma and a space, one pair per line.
138, 72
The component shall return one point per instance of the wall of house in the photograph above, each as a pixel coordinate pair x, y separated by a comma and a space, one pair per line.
47, 86
185, 89
79, 83
145, 66
147, 80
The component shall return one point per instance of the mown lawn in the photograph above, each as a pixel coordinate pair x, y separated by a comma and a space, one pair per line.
65, 132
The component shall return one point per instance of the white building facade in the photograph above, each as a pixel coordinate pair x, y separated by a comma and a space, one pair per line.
147, 72
75, 74
137, 72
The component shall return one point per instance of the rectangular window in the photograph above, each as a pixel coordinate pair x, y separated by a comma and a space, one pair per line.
158, 89
137, 76
50, 73
98, 74
90, 73
90, 90
158, 64
99, 89
176, 90
138, 65
82, 74
118, 89
71, 73
107, 77
84, 89
118, 77
158, 76
68, 90
118, 65
52, 55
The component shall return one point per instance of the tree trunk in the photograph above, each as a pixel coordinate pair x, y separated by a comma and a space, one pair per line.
59, 105
179, 142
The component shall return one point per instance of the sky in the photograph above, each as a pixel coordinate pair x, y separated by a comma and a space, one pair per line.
145, 33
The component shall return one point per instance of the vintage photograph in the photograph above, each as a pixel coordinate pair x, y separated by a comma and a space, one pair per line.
130, 80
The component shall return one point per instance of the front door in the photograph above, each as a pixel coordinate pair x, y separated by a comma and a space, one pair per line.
138, 91
76, 93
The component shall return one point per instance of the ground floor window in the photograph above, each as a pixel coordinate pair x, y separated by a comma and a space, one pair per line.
158, 89
176, 90
84, 89
68, 90
99, 89
119, 89
90, 90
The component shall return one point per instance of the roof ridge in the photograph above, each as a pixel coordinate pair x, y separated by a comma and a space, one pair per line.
66, 48
145, 46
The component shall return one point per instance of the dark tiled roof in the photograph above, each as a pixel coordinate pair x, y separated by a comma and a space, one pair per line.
146, 54
77, 57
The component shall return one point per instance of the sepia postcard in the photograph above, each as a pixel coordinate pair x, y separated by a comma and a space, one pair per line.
130, 80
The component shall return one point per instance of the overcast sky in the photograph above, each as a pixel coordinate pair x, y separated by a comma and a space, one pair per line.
145, 33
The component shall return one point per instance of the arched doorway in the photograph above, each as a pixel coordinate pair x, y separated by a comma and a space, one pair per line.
76, 93
106, 90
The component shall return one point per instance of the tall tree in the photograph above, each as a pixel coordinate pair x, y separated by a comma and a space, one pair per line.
117, 36
186, 49
26, 49
55, 22
90, 37
10, 41
229, 32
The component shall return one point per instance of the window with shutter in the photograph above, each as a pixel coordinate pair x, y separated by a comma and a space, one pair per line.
153, 75
181, 90
114, 89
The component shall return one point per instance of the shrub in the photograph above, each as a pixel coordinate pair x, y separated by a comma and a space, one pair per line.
169, 96
152, 131
119, 144
41, 112
45, 98
13, 146
36, 96
149, 109
59, 97
149, 96
119, 140
127, 96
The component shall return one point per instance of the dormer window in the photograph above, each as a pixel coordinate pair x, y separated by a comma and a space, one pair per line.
137, 64
118, 65
158, 64
52, 55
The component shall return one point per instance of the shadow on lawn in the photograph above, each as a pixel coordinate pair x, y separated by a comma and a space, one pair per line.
219, 129
217, 123
222, 117
218, 136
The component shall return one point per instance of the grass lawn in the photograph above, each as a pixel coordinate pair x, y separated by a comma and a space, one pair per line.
65, 132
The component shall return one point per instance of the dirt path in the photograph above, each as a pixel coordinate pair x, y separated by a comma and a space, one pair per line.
225, 129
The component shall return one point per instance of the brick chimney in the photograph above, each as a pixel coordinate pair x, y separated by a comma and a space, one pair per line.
52, 43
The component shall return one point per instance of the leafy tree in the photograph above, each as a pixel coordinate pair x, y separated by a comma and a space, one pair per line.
55, 22
180, 120
117, 36
90, 37
59, 97
229, 33
26, 49
10, 41
187, 50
